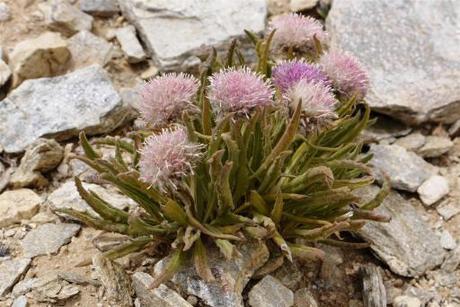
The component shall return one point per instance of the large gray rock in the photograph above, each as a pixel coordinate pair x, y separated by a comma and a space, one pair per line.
405, 169
413, 58
130, 45
61, 16
10, 272
48, 238
59, 107
175, 31
270, 292
406, 243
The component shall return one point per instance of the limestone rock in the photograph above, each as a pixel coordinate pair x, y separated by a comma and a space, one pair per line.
270, 292
303, 298
405, 169
433, 189
130, 45
17, 205
412, 141
61, 16
161, 296
87, 48
448, 208
447, 241
435, 146
406, 301
406, 243
452, 261
43, 56
60, 107
104, 8
301, 5
10, 272
5, 13
203, 23
5, 73
403, 54
20, 301
42, 156
374, 293
230, 276
48, 238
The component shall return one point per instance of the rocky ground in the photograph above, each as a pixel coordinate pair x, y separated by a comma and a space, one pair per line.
67, 66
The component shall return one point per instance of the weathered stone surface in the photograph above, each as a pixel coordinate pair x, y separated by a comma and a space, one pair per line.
303, 298
87, 48
301, 5
230, 276
130, 45
61, 16
40, 157
10, 272
5, 13
104, 8
203, 23
386, 129
433, 189
454, 130
412, 141
43, 56
405, 169
452, 261
448, 208
66, 196
5, 73
406, 243
403, 54
435, 146
447, 241
161, 296
374, 293
406, 301
17, 205
20, 301
270, 292
48, 238
59, 107
29, 284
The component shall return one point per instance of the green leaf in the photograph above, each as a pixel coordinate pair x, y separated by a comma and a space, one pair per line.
307, 253
173, 265
128, 248
87, 148
174, 212
277, 211
200, 260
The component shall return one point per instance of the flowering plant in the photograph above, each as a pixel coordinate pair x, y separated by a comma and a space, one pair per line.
267, 154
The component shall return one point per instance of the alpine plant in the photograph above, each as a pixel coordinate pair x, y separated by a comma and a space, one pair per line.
270, 153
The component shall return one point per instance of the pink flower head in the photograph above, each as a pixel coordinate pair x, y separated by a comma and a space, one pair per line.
164, 98
168, 157
346, 73
239, 91
295, 32
317, 99
289, 73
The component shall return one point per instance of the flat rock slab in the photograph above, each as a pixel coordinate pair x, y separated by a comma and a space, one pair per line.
270, 292
10, 272
174, 30
405, 169
48, 238
413, 58
87, 48
59, 107
407, 244
16, 205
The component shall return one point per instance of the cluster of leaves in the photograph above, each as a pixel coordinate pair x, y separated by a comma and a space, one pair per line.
260, 178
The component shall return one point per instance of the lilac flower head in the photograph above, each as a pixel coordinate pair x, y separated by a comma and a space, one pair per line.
289, 73
317, 99
239, 90
164, 98
167, 157
295, 32
346, 73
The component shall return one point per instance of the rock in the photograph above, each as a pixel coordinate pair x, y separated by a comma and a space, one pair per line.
30, 284
20, 301
447, 241
406, 243
203, 24
61, 16
384, 130
161, 296
5, 73
435, 146
40, 157
374, 293
412, 141
130, 45
270, 292
278, 7
230, 276
433, 189
454, 130
452, 261
303, 298
405, 169
5, 177
115, 281
17, 205
11, 271
66, 196
406, 301
103, 8
5, 13
48, 238
302, 5
150, 72
43, 56
36, 109
87, 48
402, 57
448, 209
